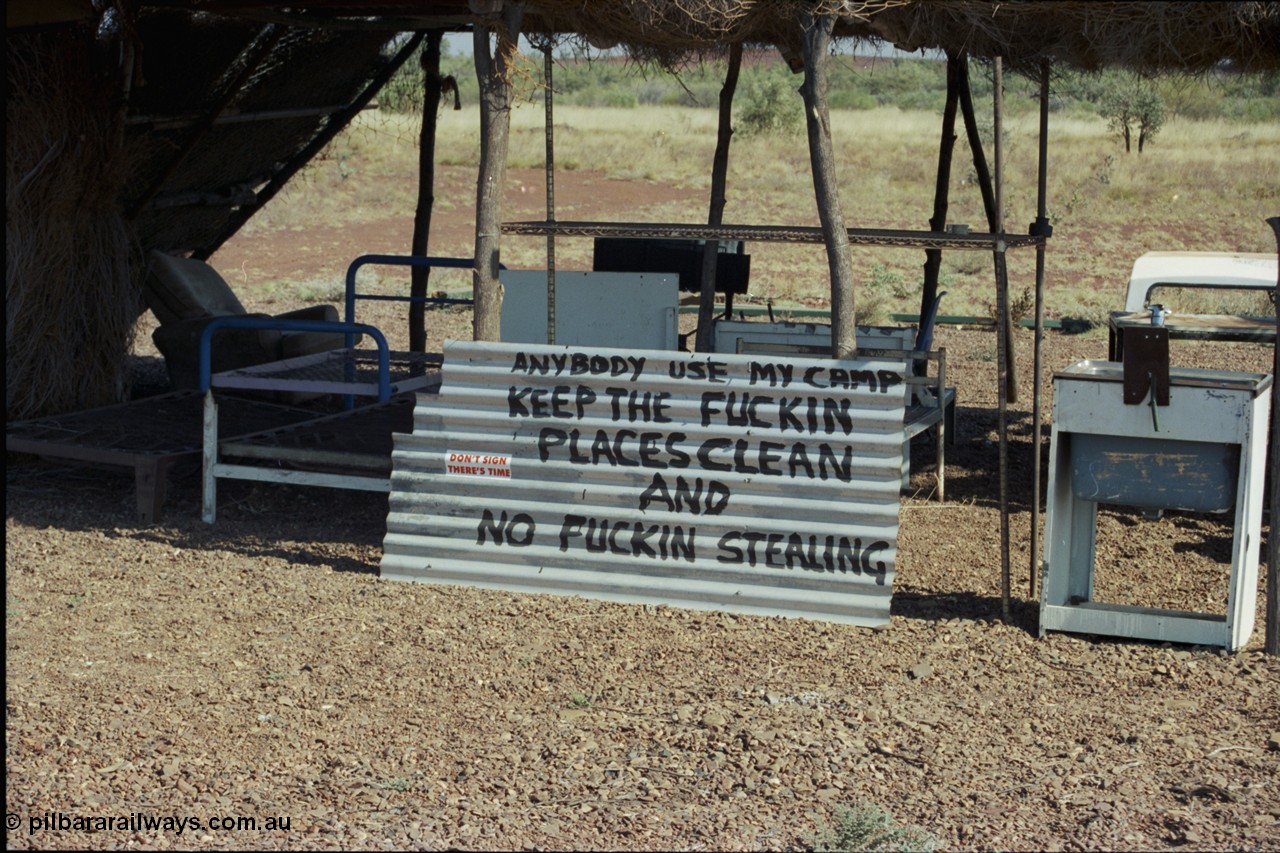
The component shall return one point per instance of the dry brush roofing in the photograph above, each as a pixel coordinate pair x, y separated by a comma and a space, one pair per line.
1145, 36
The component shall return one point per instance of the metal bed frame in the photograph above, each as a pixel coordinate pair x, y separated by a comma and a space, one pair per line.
350, 450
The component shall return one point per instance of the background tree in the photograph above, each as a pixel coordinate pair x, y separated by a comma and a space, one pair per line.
1116, 106
1128, 103
1150, 114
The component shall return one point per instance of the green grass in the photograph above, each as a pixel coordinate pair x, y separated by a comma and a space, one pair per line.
1200, 186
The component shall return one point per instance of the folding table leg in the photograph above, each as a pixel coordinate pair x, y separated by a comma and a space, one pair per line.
210, 483
942, 457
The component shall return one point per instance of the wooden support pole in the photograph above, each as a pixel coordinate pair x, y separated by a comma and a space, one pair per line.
942, 188
426, 188
494, 67
715, 213
816, 37
980, 168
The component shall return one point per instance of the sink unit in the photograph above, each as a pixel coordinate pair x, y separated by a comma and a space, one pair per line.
1205, 451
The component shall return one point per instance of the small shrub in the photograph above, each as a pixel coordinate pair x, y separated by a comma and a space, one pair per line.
1020, 307
871, 302
865, 827
320, 290
854, 100
618, 98
771, 106
883, 278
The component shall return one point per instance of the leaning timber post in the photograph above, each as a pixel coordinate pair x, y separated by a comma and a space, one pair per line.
816, 36
1042, 229
285, 172
1002, 334
715, 213
988, 204
426, 189
249, 61
941, 190
1272, 643
494, 67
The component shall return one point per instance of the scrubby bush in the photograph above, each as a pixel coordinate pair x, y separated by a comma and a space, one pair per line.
865, 827
771, 105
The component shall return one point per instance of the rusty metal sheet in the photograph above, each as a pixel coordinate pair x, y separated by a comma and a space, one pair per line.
751, 484
1152, 473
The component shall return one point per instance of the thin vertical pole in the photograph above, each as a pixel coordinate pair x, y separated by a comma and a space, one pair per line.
548, 98
1002, 333
1039, 228
1272, 643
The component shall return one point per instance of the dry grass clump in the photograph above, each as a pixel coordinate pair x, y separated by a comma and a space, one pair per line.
71, 294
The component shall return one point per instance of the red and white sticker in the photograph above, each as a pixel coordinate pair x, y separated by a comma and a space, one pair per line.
460, 464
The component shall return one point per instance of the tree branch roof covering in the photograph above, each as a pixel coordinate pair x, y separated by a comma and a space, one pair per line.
1145, 36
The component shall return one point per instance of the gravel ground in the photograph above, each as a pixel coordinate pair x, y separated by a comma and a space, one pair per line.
260, 669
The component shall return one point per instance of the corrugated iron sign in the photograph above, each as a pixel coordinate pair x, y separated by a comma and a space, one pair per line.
750, 484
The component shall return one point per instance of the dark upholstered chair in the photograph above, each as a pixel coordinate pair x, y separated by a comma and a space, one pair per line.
185, 295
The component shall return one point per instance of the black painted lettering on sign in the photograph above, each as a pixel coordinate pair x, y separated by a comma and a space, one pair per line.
578, 364
628, 538
772, 425
824, 376
828, 415
697, 370
766, 457
810, 553
517, 530
688, 495
623, 448
560, 401
773, 374
630, 405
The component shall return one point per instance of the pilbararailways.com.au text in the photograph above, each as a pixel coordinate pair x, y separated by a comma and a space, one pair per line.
144, 822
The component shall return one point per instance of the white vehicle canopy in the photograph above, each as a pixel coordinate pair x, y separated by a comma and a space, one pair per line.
1232, 270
